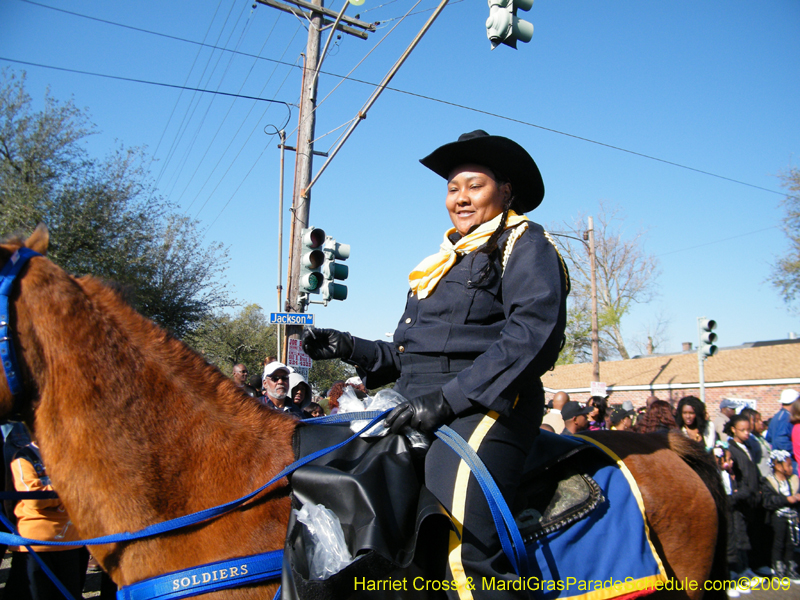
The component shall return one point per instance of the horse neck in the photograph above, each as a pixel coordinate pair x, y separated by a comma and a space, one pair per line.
122, 406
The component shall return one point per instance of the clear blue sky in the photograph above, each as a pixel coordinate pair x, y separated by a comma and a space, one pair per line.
712, 85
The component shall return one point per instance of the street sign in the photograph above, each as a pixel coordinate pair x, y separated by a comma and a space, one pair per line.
297, 359
291, 319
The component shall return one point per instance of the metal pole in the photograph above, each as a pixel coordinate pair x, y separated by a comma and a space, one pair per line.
282, 135
362, 114
701, 360
595, 332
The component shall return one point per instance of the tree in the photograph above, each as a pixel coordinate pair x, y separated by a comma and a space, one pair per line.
246, 337
104, 216
786, 272
625, 275
225, 340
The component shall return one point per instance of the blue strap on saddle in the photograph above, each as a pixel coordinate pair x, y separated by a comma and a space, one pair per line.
507, 530
7, 355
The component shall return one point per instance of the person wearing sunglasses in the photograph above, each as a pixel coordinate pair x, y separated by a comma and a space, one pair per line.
276, 389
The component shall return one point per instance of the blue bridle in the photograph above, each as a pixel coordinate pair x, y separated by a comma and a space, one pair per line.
9, 272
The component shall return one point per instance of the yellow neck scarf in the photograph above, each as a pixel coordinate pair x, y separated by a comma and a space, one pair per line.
424, 278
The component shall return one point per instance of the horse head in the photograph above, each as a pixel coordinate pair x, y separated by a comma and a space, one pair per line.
118, 404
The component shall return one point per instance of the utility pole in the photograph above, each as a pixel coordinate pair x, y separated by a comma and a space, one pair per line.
304, 151
302, 168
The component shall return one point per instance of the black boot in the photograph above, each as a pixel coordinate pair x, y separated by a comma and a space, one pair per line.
791, 571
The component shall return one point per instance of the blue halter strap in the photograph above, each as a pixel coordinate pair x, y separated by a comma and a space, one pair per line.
7, 355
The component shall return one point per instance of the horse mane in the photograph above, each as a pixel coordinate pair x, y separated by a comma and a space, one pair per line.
110, 299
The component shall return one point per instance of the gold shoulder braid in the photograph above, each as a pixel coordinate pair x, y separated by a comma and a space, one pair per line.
512, 239
516, 234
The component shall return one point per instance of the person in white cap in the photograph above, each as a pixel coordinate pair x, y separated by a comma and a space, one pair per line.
779, 433
276, 389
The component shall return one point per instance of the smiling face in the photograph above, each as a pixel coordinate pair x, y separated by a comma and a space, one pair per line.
474, 197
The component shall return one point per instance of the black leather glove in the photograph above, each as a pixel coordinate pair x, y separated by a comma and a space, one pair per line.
425, 413
324, 344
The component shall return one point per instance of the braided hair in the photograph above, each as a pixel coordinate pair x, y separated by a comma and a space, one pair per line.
489, 247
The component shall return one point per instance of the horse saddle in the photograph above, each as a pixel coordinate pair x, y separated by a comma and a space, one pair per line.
375, 488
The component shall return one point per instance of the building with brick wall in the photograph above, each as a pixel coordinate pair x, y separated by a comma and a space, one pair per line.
754, 373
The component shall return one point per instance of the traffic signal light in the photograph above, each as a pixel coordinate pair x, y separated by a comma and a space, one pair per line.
311, 261
331, 270
705, 330
503, 26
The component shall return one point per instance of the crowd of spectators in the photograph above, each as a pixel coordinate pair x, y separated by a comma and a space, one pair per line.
282, 388
757, 461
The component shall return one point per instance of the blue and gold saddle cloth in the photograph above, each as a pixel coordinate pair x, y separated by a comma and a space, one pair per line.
606, 553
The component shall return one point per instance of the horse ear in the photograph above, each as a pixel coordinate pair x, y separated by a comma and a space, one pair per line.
39, 240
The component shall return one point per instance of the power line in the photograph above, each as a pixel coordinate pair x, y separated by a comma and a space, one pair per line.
188, 75
421, 96
144, 81
191, 110
727, 239
241, 149
222, 122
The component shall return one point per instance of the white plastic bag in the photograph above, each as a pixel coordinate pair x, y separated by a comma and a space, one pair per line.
350, 402
382, 401
326, 549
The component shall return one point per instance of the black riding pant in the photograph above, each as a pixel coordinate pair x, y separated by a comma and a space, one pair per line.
476, 561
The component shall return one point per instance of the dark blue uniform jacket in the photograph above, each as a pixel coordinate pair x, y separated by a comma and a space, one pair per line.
485, 344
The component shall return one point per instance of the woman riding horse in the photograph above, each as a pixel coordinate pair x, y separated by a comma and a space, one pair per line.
484, 320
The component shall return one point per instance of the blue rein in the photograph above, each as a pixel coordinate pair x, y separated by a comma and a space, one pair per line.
267, 566
239, 571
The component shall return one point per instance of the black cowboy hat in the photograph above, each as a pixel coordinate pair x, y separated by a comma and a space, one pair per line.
574, 409
503, 156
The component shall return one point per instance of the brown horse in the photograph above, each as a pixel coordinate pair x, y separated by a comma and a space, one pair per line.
137, 429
